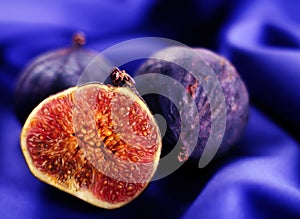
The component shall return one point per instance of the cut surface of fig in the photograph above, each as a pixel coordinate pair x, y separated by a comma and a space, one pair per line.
97, 142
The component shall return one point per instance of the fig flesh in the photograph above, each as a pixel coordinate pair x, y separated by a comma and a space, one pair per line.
97, 142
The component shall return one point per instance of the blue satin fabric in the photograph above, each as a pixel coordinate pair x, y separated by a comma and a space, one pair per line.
259, 178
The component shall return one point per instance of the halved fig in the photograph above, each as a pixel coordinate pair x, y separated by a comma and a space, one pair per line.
97, 142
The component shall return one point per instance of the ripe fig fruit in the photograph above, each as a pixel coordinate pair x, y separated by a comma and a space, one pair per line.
97, 142
50, 73
235, 96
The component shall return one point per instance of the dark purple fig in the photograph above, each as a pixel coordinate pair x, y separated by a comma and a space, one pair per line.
50, 73
234, 92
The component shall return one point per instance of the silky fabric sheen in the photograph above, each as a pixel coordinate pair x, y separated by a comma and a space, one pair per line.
258, 178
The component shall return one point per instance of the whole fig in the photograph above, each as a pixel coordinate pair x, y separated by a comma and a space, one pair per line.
234, 91
50, 73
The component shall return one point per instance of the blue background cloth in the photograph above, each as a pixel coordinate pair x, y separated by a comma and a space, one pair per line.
259, 178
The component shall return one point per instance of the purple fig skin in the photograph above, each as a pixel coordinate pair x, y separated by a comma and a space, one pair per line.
50, 73
235, 94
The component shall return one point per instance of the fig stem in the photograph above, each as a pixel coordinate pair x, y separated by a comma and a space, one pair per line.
79, 39
120, 77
